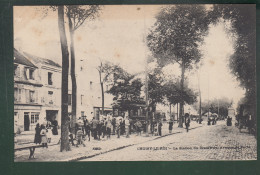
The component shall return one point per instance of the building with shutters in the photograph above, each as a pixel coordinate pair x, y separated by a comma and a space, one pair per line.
37, 90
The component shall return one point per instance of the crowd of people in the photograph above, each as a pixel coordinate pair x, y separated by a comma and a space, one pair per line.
102, 128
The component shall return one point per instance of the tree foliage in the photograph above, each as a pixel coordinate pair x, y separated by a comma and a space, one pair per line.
243, 29
177, 33
173, 93
126, 89
155, 87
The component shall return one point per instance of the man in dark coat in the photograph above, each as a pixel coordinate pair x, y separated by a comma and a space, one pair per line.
95, 127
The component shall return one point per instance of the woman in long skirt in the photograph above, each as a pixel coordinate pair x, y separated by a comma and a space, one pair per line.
37, 137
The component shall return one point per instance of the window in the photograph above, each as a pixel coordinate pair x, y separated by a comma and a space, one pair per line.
50, 93
16, 94
32, 96
82, 113
34, 117
69, 99
31, 74
50, 78
26, 73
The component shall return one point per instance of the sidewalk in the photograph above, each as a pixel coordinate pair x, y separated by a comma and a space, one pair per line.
94, 147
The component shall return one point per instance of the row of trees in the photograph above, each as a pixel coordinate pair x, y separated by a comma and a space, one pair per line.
242, 62
179, 31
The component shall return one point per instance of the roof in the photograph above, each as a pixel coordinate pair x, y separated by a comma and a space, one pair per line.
21, 59
45, 61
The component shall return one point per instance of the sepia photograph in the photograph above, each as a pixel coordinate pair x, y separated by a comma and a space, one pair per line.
172, 82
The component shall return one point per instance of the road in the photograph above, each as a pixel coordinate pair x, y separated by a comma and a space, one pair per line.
217, 142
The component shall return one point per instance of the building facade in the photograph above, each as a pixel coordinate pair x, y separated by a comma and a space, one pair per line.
37, 92
37, 88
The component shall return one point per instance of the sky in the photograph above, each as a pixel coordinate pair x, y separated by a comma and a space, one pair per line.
117, 35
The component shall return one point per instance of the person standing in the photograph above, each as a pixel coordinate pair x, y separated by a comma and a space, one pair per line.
170, 125
87, 128
127, 126
138, 126
160, 128
114, 125
118, 129
108, 127
55, 127
37, 137
187, 121
94, 127
49, 135
79, 136
43, 134
103, 128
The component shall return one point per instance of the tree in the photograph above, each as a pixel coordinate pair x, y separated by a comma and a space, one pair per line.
64, 86
175, 95
105, 70
126, 89
175, 38
155, 88
242, 62
77, 14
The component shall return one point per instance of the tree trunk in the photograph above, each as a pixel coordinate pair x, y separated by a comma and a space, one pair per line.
64, 85
170, 110
177, 112
182, 100
73, 76
200, 109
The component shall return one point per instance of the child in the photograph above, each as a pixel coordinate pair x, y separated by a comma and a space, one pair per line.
44, 137
48, 134
80, 137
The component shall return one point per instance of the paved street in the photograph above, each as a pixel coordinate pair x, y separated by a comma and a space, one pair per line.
217, 142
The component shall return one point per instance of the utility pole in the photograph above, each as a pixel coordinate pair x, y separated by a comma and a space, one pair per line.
146, 96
